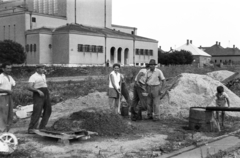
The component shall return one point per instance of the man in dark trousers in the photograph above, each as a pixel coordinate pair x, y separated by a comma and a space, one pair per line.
139, 101
41, 99
6, 102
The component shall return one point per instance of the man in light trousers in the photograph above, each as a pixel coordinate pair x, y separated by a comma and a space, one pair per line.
155, 83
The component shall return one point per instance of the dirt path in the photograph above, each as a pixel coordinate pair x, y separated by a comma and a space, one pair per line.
148, 135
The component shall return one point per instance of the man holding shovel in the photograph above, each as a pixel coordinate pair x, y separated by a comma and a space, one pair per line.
138, 90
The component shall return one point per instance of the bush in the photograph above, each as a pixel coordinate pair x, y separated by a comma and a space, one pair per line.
175, 58
12, 52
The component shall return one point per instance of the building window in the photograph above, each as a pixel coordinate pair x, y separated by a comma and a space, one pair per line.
137, 51
100, 49
31, 47
27, 48
33, 19
94, 49
151, 52
80, 48
34, 47
132, 32
146, 52
141, 51
90, 48
87, 48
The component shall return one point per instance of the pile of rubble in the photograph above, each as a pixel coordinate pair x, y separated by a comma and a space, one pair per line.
105, 123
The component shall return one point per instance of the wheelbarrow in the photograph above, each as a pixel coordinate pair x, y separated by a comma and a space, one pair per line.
8, 143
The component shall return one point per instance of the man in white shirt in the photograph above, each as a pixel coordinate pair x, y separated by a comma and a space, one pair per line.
41, 99
6, 102
155, 83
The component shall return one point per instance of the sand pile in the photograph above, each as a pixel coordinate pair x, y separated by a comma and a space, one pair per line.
191, 90
104, 123
220, 75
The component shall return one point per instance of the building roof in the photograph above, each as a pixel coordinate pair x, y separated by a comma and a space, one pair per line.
40, 30
193, 49
121, 26
218, 50
81, 29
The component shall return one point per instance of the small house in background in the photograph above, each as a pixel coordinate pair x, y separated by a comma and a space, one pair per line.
200, 56
222, 55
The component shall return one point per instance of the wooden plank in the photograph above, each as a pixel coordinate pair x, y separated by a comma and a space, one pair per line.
59, 135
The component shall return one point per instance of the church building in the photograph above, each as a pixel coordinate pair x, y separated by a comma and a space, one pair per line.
72, 32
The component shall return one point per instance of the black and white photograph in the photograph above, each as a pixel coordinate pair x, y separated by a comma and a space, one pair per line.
119, 79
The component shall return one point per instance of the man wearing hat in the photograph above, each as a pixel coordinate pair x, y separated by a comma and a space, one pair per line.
155, 83
41, 99
139, 101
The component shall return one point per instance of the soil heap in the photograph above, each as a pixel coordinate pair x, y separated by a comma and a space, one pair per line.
220, 75
192, 90
105, 123
234, 86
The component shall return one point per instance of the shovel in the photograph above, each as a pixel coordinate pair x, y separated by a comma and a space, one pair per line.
119, 101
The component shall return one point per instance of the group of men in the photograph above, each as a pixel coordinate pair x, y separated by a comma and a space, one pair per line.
147, 90
41, 100
149, 80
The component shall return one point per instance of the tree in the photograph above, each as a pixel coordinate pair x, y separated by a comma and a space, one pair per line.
175, 58
12, 52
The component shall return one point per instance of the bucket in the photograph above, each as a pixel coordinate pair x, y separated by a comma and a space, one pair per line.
124, 109
200, 119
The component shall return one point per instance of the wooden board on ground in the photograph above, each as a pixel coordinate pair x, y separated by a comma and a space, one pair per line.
64, 137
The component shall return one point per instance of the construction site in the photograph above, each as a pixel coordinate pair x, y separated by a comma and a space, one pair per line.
85, 127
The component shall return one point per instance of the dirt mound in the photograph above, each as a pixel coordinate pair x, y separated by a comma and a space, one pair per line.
98, 100
192, 90
220, 75
104, 123
234, 86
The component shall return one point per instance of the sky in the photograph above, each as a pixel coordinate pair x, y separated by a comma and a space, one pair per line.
172, 22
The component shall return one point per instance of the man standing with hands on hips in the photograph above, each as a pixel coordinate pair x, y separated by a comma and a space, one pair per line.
41, 100
155, 83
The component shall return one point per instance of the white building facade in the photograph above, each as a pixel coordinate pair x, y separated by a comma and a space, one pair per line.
72, 32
